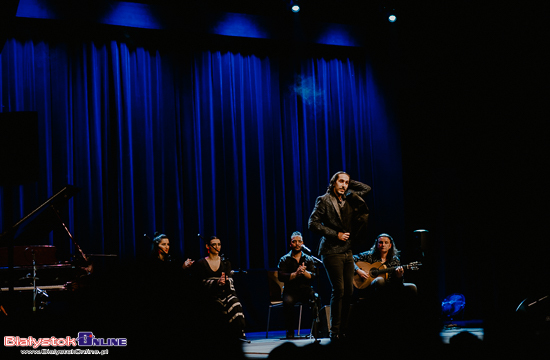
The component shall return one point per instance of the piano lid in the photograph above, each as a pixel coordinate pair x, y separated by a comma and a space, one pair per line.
41, 221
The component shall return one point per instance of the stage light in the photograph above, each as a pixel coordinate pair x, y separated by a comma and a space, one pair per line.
388, 10
294, 6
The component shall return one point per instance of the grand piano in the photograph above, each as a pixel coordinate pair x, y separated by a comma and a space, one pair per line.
29, 270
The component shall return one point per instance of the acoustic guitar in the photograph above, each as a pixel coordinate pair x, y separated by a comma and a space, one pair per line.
377, 269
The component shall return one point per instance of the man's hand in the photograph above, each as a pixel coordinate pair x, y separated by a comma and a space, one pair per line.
301, 269
343, 236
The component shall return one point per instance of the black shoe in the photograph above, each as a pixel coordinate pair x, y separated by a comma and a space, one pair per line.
334, 337
243, 338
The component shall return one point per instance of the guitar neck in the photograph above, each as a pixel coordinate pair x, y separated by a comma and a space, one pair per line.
387, 270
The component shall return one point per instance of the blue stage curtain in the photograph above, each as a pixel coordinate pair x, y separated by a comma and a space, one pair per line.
211, 142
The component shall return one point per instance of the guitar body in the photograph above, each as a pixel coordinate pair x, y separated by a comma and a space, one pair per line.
373, 270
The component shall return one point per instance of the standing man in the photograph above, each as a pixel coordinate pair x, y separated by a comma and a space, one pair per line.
337, 217
296, 270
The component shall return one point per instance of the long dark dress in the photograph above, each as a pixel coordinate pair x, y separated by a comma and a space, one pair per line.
220, 302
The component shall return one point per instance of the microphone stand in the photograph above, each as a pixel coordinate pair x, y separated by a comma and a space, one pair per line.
224, 261
315, 260
34, 291
316, 323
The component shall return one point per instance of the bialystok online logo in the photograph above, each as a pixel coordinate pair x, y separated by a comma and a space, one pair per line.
84, 339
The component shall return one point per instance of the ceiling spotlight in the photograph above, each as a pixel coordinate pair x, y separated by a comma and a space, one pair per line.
294, 6
388, 10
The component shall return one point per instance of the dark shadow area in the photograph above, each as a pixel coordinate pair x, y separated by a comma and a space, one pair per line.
123, 303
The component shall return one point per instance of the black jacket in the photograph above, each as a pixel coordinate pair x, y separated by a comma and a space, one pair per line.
326, 219
288, 265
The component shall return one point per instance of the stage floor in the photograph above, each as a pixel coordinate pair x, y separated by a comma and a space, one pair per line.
260, 347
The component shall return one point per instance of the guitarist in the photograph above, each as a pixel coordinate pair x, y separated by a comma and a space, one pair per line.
389, 301
385, 252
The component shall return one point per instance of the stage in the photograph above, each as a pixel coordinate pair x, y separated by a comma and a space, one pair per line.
260, 347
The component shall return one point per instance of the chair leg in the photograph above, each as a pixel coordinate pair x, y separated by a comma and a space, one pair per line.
300, 320
268, 316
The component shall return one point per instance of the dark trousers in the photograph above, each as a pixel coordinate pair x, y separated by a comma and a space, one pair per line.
304, 295
340, 270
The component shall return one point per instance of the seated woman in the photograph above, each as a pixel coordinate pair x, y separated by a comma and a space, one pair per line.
217, 290
161, 289
164, 274
160, 254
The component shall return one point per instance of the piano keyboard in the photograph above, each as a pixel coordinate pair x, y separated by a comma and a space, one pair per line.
30, 288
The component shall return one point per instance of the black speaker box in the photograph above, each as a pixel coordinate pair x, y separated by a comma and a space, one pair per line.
19, 162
